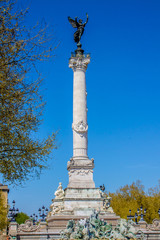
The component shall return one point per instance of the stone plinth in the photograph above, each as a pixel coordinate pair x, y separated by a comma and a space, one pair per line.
58, 223
13, 228
78, 202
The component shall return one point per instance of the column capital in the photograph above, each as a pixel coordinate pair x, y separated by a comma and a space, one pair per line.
79, 62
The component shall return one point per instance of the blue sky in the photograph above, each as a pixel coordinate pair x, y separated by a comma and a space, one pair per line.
123, 84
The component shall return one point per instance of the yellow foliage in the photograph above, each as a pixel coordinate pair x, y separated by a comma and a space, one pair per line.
3, 212
131, 197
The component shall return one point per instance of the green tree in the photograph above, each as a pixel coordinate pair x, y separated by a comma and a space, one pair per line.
131, 197
21, 103
21, 217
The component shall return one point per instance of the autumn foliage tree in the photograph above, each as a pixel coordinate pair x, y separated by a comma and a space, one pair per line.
21, 103
131, 197
3, 212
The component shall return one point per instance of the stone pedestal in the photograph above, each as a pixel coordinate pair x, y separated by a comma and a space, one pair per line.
57, 223
13, 229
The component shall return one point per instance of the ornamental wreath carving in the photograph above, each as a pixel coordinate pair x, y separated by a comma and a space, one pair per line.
28, 226
80, 127
56, 208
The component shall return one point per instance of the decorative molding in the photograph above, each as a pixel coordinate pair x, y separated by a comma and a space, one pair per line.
155, 226
80, 127
28, 226
81, 172
79, 62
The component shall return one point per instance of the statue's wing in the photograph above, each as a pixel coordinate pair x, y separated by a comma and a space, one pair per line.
73, 22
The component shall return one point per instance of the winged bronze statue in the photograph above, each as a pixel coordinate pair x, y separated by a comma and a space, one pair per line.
80, 28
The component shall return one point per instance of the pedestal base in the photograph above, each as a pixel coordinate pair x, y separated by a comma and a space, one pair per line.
79, 203
58, 223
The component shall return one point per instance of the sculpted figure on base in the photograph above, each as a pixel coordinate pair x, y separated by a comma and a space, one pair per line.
59, 194
57, 207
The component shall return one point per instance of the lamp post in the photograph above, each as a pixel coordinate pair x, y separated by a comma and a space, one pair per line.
140, 213
34, 218
48, 236
43, 213
159, 212
13, 212
130, 217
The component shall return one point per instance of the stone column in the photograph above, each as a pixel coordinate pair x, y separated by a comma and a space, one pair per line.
80, 167
79, 126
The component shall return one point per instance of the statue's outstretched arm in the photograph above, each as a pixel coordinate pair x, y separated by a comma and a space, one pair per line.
76, 19
86, 20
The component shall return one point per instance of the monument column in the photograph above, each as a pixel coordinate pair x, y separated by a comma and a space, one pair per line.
79, 126
80, 166
80, 199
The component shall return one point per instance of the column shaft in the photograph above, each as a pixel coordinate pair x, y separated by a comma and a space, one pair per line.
79, 126
80, 167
